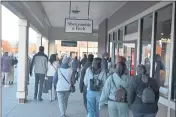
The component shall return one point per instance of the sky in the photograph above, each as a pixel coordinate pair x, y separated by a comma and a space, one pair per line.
10, 29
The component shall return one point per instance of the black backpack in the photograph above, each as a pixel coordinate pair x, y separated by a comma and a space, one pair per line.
95, 83
148, 94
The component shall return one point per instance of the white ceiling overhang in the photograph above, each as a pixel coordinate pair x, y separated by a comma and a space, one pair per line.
49, 17
96, 11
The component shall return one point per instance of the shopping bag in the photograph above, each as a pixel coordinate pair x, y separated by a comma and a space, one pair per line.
45, 86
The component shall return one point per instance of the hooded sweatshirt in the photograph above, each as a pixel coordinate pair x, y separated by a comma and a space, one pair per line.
6, 63
110, 87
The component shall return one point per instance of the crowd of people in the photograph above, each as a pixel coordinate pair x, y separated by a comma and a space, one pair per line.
101, 82
8, 63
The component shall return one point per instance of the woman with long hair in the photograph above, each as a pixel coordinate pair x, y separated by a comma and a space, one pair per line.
115, 92
53, 65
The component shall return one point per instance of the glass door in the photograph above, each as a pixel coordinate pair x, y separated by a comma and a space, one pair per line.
128, 50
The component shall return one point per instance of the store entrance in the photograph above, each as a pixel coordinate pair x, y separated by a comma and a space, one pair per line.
128, 50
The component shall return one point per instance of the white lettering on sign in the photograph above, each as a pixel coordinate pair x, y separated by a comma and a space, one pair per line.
78, 25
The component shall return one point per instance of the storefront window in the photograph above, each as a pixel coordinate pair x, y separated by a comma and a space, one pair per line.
163, 49
120, 34
173, 91
131, 28
146, 35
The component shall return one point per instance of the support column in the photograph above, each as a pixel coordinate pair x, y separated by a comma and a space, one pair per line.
39, 41
23, 60
52, 47
102, 38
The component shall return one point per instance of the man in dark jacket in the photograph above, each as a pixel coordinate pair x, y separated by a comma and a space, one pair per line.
136, 87
83, 88
84, 60
40, 64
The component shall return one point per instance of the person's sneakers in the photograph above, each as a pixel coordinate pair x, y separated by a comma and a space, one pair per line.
40, 99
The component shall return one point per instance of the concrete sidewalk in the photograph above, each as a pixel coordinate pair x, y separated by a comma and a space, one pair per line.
45, 108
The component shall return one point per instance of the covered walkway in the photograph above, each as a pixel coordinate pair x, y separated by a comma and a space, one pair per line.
120, 28
34, 108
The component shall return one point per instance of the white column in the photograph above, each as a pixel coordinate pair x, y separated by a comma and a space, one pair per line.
38, 41
22, 58
52, 47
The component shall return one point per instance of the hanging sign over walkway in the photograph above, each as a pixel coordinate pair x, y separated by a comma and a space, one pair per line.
78, 25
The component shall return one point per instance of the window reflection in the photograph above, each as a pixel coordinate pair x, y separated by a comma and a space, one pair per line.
120, 34
146, 41
131, 28
163, 49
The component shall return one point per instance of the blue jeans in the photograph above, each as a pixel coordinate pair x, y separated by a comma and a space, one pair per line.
143, 115
93, 99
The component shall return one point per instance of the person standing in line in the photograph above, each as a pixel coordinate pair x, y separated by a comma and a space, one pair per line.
6, 64
115, 92
83, 88
143, 94
53, 65
104, 63
94, 80
40, 64
84, 60
64, 80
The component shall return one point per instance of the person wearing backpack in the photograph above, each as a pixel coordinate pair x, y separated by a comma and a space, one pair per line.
94, 80
115, 92
143, 94
82, 87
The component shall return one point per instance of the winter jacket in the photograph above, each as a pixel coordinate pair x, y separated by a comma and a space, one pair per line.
109, 89
40, 63
89, 75
135, 102
6, 63
83, 72
61, 84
